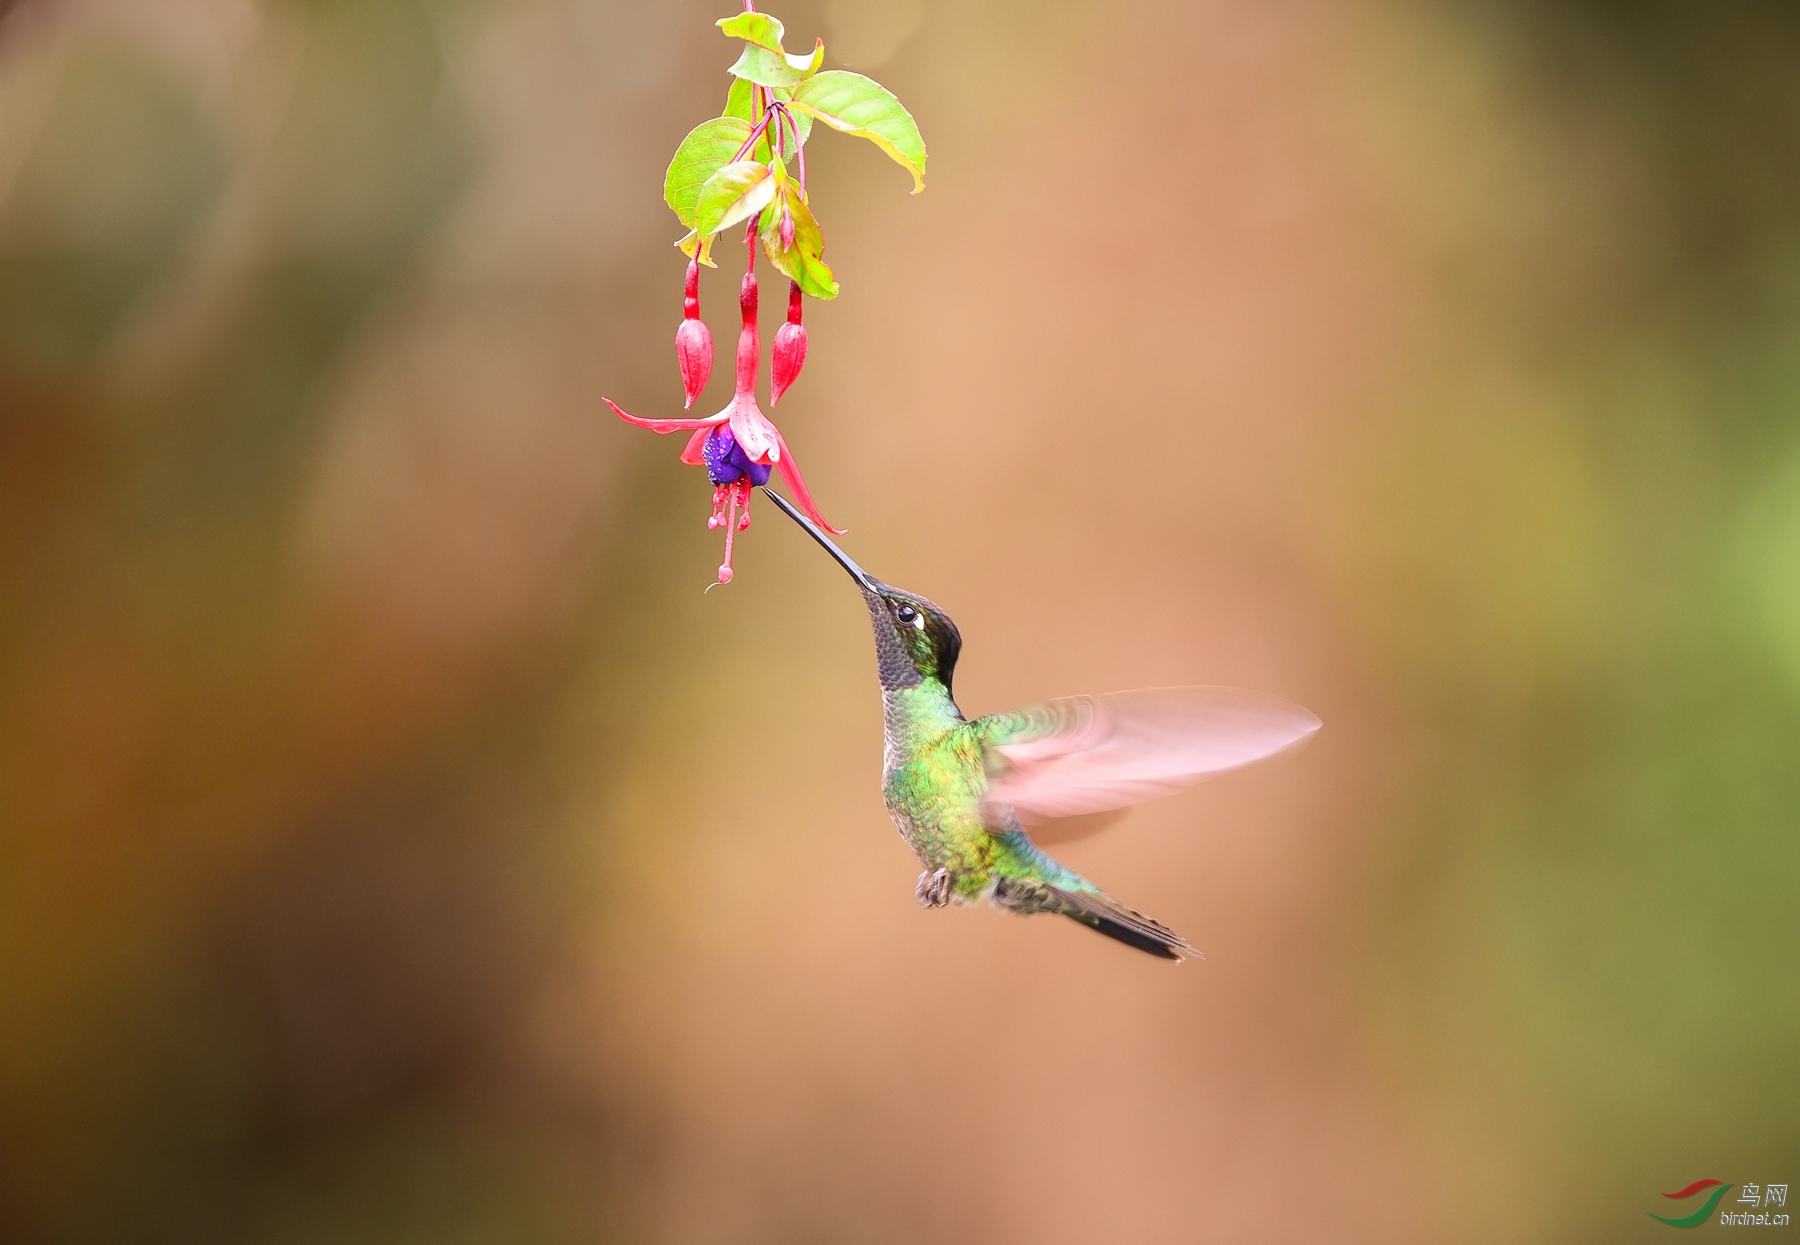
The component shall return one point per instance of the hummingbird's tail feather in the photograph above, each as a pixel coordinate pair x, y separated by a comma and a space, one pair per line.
1104, 915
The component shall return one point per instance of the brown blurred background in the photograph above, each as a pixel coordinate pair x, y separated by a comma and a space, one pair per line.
397, 846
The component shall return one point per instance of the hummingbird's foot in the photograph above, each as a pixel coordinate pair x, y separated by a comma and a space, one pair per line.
933, 890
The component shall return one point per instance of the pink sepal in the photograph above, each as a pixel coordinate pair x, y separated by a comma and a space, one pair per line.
695, 453
666, 426
790, 472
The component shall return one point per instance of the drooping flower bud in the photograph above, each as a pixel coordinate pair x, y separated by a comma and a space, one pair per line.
693, 340
790, 347
694, 351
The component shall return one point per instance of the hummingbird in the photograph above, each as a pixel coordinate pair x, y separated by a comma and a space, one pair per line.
962, 792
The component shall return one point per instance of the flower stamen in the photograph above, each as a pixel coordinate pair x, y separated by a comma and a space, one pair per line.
731, 530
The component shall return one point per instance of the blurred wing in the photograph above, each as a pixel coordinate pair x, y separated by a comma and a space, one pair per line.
1087, 754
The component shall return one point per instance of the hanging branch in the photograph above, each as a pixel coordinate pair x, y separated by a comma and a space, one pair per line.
733, 170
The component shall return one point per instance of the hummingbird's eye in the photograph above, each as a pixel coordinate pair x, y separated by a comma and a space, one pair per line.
906, 613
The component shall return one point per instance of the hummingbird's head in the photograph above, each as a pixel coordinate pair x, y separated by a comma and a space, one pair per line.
914, 639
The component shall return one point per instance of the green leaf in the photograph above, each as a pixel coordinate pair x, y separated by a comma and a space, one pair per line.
860, 106
708, 148
803, 261
768, 68
758, 28
736, 192
738, 104
740, 101
802, 121
765, 68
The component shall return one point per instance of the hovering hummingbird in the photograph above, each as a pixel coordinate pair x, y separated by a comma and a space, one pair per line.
961, 791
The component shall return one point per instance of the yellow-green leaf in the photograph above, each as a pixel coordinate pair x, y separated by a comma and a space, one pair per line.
692, 241
758, 28
767, 68
736, 192
740, 100
860, 106
708, 148
803, 262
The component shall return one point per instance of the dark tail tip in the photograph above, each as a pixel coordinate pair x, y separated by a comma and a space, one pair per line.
1121, 924
1162, 948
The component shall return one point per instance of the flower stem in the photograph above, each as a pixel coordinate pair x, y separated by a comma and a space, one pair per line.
750, 142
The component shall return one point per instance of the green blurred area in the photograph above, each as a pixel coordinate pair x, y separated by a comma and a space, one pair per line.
395, 845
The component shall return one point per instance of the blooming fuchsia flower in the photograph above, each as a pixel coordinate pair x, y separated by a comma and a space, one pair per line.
739, 447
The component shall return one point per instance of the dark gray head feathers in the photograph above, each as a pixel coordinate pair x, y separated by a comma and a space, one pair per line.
895, 668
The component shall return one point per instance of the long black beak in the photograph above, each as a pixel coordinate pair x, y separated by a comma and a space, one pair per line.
862, 577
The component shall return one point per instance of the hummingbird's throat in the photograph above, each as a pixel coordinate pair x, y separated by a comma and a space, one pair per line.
731, 511
893, 665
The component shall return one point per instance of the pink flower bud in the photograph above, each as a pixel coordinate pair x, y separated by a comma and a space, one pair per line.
790, 348
693, 341
694, 352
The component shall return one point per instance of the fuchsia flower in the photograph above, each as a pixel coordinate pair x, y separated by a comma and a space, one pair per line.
739, 447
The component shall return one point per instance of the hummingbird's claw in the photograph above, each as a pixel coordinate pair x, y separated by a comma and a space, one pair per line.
933, 890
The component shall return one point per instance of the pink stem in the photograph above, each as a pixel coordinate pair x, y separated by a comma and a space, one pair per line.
750, 142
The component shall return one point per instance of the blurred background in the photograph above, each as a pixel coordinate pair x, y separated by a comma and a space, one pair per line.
397, 846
